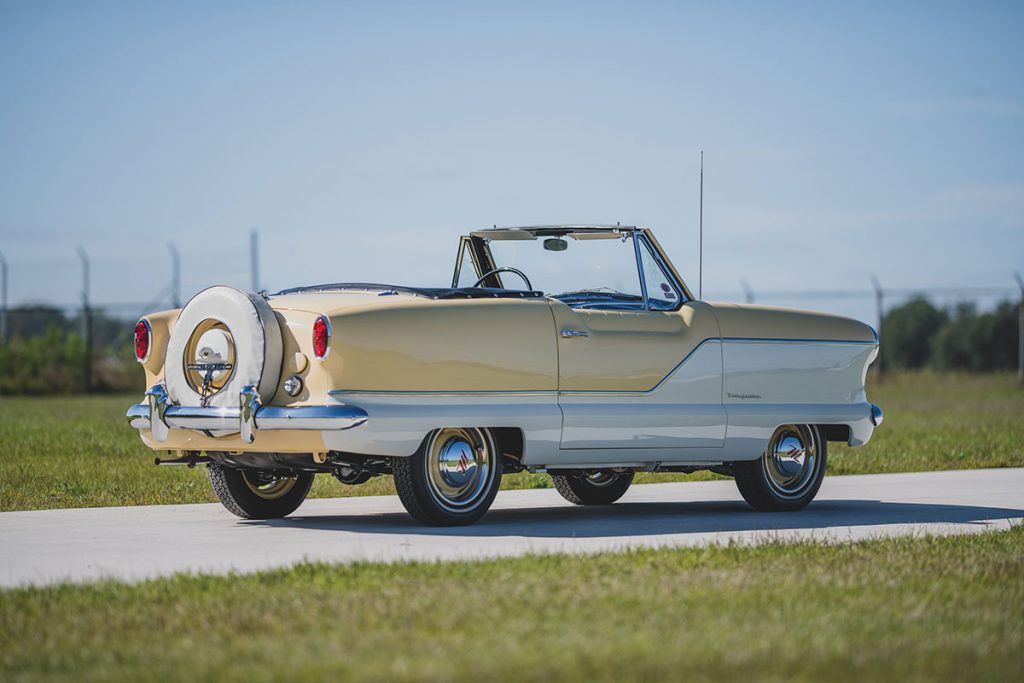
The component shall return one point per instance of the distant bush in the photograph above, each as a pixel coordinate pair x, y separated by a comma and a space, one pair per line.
46, 354
917, 335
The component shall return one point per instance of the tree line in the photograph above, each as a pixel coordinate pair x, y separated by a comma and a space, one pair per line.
920, 335
49, 352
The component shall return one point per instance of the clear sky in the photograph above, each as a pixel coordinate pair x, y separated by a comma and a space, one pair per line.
840, 139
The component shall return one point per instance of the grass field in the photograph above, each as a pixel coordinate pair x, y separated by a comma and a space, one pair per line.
908, 609
79, 452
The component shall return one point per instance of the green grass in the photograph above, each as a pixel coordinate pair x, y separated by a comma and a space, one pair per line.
79, 452
904, 610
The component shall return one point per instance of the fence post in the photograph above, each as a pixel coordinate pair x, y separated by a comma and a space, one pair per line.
254, 255
175, 276
748, 293
3, 299
1020, 331
86, 321
880, 315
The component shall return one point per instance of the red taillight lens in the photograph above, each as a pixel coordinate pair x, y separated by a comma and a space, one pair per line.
321, 337
141, 341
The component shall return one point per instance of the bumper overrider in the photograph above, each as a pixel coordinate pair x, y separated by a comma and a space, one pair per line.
159, 416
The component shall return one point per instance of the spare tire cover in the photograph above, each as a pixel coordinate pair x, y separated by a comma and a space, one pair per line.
253, 335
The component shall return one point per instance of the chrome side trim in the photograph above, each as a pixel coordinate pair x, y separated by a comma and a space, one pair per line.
387, 392
569, 334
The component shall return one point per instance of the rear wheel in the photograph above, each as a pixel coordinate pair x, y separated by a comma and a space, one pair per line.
252, 494
597, 488
789, 474
452, 479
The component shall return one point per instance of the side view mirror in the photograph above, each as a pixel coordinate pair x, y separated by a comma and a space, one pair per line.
555, 244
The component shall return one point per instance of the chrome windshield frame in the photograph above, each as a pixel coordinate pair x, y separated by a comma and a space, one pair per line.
640, 271
480, 239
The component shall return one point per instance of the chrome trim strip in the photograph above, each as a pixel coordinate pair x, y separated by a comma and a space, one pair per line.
769, 340
370, 392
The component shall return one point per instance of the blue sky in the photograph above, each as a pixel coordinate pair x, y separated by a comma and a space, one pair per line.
841, 139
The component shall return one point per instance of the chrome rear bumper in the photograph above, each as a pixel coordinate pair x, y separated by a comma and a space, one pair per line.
159, 415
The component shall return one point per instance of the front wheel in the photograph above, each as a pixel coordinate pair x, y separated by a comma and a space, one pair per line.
452, 479
252, 494
789, 473
596, 488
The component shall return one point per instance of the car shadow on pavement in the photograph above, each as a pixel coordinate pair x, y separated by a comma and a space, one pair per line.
655, 518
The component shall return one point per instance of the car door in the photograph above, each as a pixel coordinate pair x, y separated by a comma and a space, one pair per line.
640, 378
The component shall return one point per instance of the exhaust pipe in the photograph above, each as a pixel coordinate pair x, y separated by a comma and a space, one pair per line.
190, 459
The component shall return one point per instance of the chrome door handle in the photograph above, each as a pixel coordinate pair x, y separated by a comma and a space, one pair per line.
569, 334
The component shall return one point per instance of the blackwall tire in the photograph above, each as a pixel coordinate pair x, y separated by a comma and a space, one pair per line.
783, 480
240, 492
452, 479
252, 334
600, 488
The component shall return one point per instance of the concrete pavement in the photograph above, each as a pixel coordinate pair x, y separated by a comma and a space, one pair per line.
133, 543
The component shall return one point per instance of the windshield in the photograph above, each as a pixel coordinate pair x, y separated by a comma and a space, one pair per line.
591, 272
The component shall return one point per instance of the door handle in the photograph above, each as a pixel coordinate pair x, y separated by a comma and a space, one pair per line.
569, 334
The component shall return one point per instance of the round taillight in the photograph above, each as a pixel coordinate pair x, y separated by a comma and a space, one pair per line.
143, 337
321, 337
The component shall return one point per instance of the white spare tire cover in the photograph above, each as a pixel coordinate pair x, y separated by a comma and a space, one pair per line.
253, 331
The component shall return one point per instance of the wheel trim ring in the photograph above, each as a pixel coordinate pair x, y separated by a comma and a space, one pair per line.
194, 378
790, 474
446, 491
277, 487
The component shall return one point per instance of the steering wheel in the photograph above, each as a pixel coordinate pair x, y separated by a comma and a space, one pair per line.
514, 271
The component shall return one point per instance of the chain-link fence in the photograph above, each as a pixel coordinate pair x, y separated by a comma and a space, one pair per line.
87, 347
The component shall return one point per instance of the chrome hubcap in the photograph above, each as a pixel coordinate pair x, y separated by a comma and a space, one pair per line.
791, 460
457, 463
460, 467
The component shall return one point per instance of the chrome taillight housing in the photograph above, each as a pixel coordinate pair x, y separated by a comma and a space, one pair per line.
322, 337
143, 340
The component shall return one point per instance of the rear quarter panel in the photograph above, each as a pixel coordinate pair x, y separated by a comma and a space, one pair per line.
423, 345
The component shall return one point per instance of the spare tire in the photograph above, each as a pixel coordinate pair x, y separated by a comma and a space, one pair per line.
228, 328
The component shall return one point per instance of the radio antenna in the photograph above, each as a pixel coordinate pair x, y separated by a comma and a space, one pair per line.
700, 262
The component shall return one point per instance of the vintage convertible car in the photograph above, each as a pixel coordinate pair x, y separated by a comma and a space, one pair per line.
573, 350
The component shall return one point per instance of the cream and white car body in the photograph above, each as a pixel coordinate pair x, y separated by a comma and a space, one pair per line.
698, 386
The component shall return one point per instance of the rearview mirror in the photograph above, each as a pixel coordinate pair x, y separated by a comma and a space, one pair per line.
555, 244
